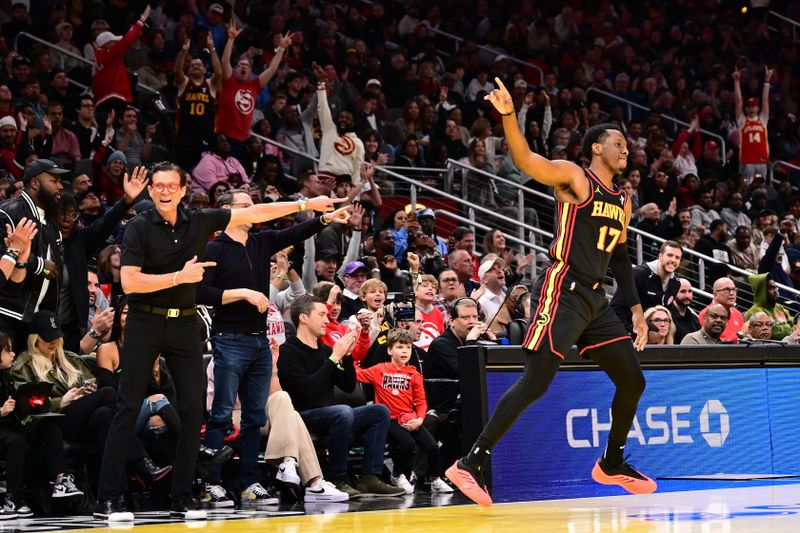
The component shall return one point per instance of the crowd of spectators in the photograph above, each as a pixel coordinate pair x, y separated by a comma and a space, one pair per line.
244, 94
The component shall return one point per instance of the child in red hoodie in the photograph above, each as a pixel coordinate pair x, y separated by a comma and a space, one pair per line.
399, 387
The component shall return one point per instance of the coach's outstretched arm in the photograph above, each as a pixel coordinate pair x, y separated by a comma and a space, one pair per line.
553, 173
264, 212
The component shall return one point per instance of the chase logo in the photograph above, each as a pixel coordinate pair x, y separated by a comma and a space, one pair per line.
713, 408
661, 424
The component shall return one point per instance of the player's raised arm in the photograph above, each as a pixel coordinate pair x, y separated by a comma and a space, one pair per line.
553, 173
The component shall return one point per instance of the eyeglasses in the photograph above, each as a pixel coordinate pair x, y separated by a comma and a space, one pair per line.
660, 320
449, 280
171, 187
726, 289
761, 325
71, 216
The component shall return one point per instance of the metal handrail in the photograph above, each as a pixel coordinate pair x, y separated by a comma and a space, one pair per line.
722, 144
794, 23
458, 40
523, 188
479, 208
782, 163
66, 52
484, 227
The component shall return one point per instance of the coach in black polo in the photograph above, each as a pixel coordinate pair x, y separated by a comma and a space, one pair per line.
160, 268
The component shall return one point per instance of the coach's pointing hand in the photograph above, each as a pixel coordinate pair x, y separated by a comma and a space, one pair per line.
323, 203
192, 271
501, 99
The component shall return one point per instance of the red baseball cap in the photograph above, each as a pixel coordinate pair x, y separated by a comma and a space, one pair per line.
712, 145
751, 101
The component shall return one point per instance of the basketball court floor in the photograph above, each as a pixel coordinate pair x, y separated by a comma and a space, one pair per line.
679, 506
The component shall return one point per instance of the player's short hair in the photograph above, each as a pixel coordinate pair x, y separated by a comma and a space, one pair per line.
399, 336
596, 134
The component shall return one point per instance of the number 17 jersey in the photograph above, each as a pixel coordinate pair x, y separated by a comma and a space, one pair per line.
587, 233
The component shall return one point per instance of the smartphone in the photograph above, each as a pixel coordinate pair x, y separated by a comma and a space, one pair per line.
91, 382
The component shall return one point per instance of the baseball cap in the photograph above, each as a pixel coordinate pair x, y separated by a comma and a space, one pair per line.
43, 323
40, 166
106, 37
559, 148
712, 145
352, 267
216, 8
751, 101
758, 176
488, 262
427, 212
373, 81
326, 253
19, 61
520, 84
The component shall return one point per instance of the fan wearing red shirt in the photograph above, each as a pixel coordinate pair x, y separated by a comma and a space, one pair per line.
237, 97
332, 295
432, 317
399, 387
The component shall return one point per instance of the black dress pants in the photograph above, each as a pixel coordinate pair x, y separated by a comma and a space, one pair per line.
178, 340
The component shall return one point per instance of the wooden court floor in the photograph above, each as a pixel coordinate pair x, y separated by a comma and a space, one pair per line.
770, 508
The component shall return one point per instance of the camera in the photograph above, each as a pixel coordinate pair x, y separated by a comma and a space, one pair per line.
401, 308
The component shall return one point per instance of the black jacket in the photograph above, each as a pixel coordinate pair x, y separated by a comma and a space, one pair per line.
441, 362
308, 375
650, 290
245, 267
79, 248
18, 300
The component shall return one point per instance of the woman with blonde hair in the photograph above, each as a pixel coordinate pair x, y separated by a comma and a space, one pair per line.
662, 328
87, 410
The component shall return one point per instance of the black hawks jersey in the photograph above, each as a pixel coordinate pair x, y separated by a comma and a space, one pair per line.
196, 113
586, 234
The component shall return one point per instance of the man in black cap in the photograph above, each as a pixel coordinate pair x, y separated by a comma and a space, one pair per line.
42, 182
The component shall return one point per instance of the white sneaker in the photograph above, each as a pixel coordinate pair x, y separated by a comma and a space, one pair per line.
322, 491
215, 496
287, 472
402, 482
64, 487
258, 495
439, 485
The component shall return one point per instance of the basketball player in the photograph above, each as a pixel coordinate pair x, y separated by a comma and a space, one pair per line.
197, 101
592, 220
752, 124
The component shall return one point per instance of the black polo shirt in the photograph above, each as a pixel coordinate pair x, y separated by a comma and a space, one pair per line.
151, 243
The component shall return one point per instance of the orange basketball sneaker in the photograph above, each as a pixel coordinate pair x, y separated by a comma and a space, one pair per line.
470, 482
623, 475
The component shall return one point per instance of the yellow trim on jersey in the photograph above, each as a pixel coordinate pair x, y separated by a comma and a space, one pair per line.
543, 318
562, 233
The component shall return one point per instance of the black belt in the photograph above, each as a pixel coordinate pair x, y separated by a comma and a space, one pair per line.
169, 312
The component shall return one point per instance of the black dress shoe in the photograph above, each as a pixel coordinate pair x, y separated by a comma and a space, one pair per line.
210, 455
151, 472
111, 511
187, 508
